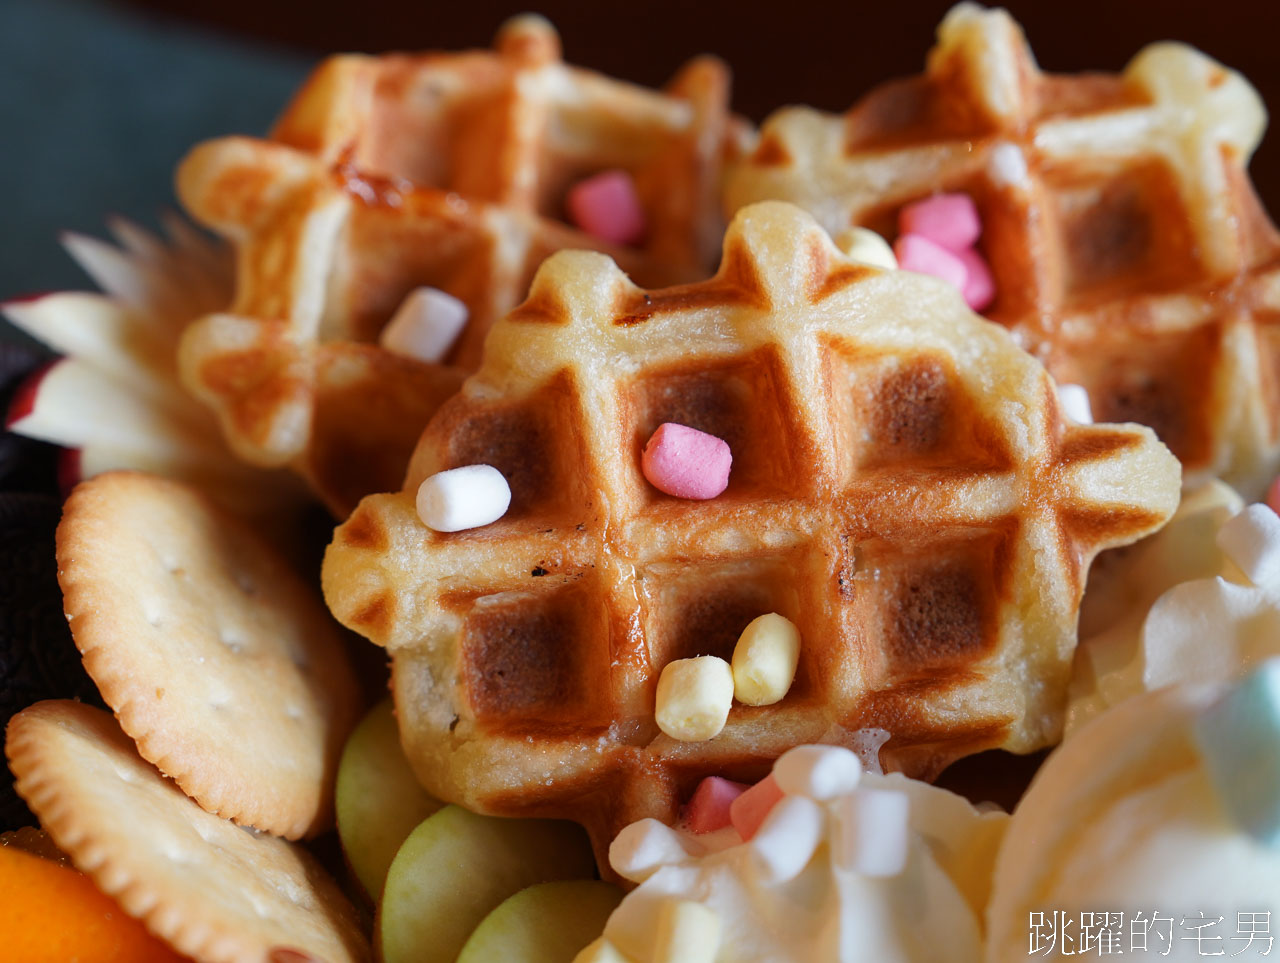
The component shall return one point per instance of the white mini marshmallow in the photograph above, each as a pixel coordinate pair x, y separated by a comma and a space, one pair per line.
643, 848
462, 498
865, 245
788, 837
819, 772
871, 832
425, 326
1252, 540
1075, 403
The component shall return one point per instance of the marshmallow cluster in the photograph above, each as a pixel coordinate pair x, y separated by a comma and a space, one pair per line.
819, 861
813, 795
695, 695
937, 236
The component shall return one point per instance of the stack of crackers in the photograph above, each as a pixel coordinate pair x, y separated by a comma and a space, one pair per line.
232, 695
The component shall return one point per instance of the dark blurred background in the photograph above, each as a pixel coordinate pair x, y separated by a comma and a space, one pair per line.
99, 100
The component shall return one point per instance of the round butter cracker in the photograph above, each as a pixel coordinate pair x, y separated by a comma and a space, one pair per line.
214, 891
218, 660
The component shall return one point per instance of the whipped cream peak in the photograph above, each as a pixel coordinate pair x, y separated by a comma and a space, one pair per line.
1198, 601
1216, 628
644, 847
788, 839
837, 870
1167, 801
819, 772
872, 831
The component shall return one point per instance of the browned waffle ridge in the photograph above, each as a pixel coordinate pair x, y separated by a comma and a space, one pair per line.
905, 489
1129, 250
449, 170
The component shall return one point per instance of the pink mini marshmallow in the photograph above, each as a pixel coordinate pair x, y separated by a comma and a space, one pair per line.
748, 811
708, 809
919, 254
980, 288
685, 462
608, 207
950, 220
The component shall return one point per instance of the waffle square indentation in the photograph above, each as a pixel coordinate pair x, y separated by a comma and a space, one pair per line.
1123, 231
740, 401
930, 608
534, 658
912, 414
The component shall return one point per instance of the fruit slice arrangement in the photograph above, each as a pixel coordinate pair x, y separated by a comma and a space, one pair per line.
113, 399
452, 885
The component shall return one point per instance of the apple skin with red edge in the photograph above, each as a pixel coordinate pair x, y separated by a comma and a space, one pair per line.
23, 402
65, 473
29, 298
26, 464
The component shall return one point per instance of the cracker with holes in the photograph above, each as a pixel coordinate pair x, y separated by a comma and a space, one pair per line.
216, 657
902, 486
213, 890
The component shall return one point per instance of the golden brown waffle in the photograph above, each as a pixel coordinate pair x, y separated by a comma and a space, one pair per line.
447, 170
904, 489
1129, 251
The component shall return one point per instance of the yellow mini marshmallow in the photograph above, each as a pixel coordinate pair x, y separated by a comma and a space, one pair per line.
764, 660
688, 932
694, 697
862, 244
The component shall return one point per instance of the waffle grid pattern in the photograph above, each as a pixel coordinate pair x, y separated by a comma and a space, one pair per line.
904, 489
444, 170
1129, 250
